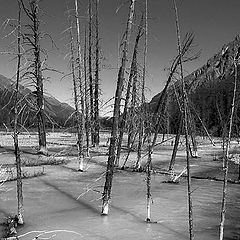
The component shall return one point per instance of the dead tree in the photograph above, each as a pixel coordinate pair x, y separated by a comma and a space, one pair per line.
144, 122
80, 82
226, 154
90, 70
32, 39
186, 120
16, 115
96, 89
148, 171
161, 104
116, 114
177, 138
87, 123
194, 152
75, 92
143, 107
133, 73
132, 119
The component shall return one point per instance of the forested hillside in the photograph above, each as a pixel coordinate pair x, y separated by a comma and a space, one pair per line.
210, 90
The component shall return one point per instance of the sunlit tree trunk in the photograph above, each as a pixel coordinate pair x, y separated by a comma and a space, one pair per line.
90, 70
96, 90
149, 163
226, 155
80, 80
116, 113
185, 118
75, 92
16, 115
87, 124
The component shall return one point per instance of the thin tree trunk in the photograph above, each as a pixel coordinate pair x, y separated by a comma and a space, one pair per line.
194, 144
142, 118
149, 163
90, 71
194, 152
175, 148
96, 92
226, 155
129, 148
204, 127
82, 122
116, 113
133, 73
77, 113
87, 124
16, 113
132, 113
190, 211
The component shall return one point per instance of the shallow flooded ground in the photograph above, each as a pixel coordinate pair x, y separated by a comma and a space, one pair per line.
67, 203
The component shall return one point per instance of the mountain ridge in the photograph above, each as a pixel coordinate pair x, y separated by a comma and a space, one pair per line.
57, 112
209, 91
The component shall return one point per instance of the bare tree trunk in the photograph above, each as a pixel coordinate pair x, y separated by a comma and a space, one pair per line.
175, 148
87, 124
116, 113
142, 118
149, 163
194, 152
82, 122
16, 113
190, 211
77, 113
32, 14
39, 80
132, 113
194, 144
96, 92
90, 71
33, 39
226, 155
133, 73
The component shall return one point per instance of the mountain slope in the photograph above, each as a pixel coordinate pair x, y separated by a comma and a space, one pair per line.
56, 111
210, 90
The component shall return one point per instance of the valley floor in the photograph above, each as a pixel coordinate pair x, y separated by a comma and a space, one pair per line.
68, 203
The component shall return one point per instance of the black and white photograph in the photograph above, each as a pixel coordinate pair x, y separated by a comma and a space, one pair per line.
119, 119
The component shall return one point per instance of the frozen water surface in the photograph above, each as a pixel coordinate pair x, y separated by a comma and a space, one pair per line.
51, 203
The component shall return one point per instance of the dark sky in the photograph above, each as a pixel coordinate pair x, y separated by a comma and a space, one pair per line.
214, 23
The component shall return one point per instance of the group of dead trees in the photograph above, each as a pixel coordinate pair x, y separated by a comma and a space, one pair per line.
29, 68
133, 119
83, 69
31, 64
